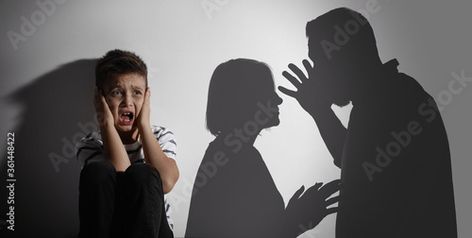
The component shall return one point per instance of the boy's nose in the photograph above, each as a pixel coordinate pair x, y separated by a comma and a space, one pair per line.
128, 100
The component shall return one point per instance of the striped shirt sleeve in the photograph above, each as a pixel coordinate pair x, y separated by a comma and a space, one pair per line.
89, 149
167, 141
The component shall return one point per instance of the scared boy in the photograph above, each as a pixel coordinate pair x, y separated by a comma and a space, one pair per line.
129, 164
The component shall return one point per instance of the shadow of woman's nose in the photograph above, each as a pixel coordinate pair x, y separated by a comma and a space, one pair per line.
57, 111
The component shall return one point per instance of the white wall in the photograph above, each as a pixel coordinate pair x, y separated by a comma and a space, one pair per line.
182, 42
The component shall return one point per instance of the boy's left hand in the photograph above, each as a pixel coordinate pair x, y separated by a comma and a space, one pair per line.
143, 119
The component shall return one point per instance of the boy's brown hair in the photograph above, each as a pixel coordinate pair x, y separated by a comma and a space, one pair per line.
118, 62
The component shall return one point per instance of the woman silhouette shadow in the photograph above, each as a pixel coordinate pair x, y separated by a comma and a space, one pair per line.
234, 194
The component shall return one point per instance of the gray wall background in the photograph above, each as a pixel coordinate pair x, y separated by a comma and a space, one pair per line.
182, 42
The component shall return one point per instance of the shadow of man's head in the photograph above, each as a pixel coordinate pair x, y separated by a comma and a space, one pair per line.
343, 48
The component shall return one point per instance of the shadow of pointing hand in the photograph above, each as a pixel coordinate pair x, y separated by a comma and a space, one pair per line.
311, 93
306, 211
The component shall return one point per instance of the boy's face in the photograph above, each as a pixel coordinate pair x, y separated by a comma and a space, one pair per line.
125, 96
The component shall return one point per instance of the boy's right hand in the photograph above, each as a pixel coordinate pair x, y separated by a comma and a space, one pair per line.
104, 115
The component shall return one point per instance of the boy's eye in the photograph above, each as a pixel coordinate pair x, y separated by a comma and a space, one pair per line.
115, 93
138, 92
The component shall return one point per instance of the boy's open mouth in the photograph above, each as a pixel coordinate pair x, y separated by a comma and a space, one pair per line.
126, 118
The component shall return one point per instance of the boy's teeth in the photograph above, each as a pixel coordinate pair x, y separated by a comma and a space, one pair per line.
127, 116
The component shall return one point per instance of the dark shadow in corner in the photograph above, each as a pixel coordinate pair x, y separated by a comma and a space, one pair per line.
234, 194
57, 111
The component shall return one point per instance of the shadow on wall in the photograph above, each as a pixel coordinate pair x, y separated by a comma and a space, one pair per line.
240, 198
58, 111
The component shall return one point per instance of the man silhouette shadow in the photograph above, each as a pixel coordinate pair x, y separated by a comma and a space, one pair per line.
234, 194
394, 155
56, 112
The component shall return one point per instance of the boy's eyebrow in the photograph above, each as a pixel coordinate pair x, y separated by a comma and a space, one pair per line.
137, 87
113, 87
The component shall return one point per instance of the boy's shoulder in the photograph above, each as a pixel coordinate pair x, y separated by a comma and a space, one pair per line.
95, 137
166, 139
162, 132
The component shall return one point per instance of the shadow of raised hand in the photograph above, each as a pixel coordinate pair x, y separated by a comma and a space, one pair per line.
312, 92
306, 211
